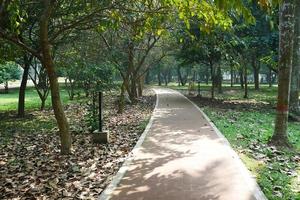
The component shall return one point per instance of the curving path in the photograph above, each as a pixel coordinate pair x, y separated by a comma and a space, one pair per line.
182, 156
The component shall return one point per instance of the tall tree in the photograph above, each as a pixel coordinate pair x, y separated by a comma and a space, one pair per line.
295, 80
286, 36
51, 24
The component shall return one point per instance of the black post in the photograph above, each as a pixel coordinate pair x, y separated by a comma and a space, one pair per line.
100, 111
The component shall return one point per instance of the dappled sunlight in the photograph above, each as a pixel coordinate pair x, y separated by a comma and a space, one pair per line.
183, 158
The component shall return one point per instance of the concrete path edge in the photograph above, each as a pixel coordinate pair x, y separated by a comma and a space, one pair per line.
106, 194
248, 177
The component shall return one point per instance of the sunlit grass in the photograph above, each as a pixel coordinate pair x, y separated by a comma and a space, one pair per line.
9, 102
244, 128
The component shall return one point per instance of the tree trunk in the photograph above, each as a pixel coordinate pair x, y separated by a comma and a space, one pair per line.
286, 35
207, 76
180, 79
147, 80
140, 86
295, 79
231, 76
242, 78
219, 79
48, 63
213, 81
256, 69
6, 87
133, 95
121, 102
159, 77
169, 76
245, 81
270, 77
21, 102
43, 101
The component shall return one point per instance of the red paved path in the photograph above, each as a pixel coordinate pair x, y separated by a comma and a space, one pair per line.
182, 157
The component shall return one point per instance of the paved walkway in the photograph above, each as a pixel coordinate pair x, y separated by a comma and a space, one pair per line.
182, 157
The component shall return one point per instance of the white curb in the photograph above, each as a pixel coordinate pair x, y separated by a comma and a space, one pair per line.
247, 176
106, 194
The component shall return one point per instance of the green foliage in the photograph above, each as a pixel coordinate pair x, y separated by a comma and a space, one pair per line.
9, 71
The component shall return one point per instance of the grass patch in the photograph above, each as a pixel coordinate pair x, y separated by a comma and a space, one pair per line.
9, 102
248, 131
264, 94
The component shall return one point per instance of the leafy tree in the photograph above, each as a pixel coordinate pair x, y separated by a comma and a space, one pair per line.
41, 18
286, 36
9, 71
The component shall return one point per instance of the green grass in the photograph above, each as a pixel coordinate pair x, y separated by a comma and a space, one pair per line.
265, 93
248, 132
9, 102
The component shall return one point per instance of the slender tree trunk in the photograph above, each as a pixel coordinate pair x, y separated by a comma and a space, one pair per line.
159, 77
256, 69
180, 79
286, 35
21, 102
43, 102
6, 87
295, 79
140, 86
270, 77
134, 94
121, 102
65, 136
231, 76
133, 76
219, 79
169, 76
147, 80
213, 81
207, 76
245, 81
242, 78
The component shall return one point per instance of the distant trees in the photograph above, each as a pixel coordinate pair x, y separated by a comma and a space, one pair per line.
9, 71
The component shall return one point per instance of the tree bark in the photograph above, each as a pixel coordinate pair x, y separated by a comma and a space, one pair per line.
140, 86
231, 76
159, 77
219, 78
256, 68
294, 106
213, 81
245, 81
121, 102
242, 78
48, 63
6, 87
21, 102
270, 77
147, 80
286, 35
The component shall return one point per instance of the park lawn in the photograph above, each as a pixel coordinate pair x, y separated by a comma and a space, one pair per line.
9, 102
248, 132
265, 93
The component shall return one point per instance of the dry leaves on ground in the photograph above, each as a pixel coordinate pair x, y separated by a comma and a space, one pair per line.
31, 166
